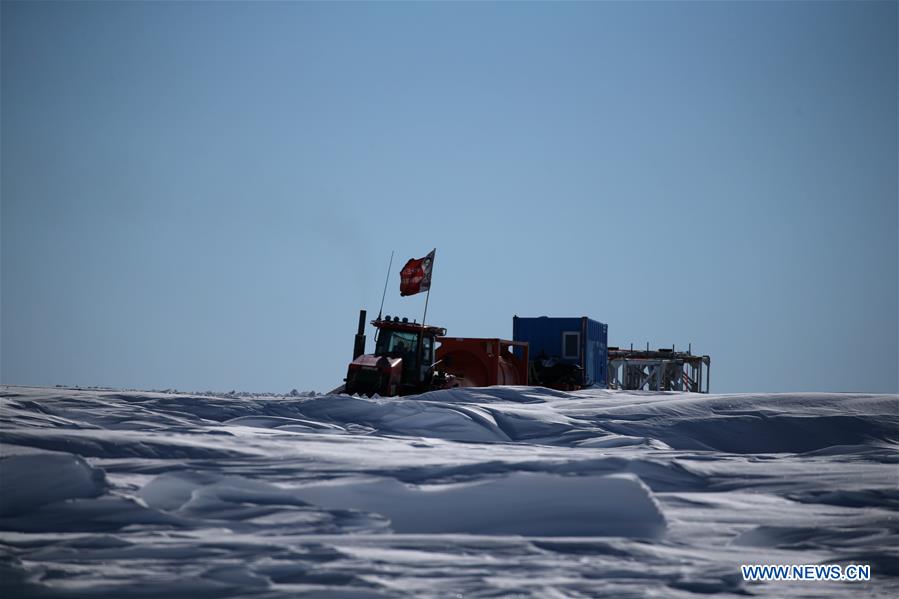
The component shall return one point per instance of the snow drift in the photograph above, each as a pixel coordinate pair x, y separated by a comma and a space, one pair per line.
36, 479
481, 492
522, 503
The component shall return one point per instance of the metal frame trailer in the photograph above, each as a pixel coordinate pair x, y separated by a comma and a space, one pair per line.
658, 370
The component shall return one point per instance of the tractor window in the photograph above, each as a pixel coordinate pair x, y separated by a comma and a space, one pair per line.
426, 357
396, 343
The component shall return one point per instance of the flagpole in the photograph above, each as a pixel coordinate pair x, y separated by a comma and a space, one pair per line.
431, 282
424, 316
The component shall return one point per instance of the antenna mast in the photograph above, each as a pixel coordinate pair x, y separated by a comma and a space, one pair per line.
387, 280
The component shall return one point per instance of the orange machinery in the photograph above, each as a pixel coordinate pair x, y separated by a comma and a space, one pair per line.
404, 361
478, 362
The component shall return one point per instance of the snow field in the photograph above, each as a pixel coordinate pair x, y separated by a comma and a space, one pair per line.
479, 492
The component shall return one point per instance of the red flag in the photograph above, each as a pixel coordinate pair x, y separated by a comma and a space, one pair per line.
416, 275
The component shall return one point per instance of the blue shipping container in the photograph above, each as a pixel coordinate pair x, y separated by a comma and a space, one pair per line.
582, 341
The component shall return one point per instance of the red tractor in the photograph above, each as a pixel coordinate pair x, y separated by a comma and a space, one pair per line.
405, 361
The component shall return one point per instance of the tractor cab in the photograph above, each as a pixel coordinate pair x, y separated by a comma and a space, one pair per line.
399, 338
401, 363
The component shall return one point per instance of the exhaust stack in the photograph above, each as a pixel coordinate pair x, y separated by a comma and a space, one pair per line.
359, 345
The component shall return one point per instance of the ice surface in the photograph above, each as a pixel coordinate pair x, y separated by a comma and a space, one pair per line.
522, 503
475, 492
28, 481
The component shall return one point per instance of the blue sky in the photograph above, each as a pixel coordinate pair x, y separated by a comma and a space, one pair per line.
203, 195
